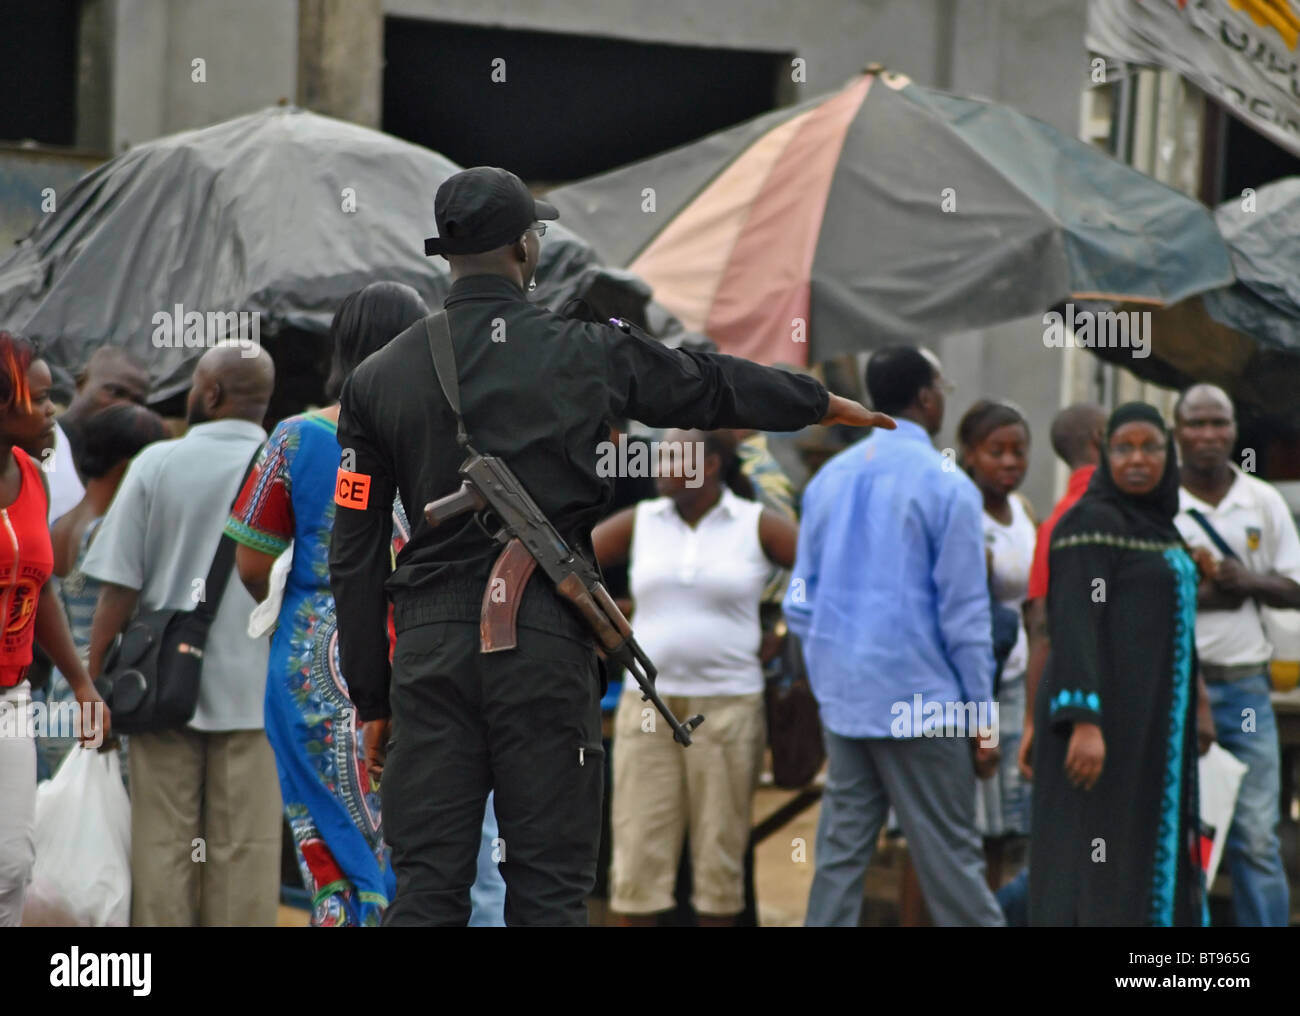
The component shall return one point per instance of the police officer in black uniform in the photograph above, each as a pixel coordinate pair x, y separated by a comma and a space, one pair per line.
538, 390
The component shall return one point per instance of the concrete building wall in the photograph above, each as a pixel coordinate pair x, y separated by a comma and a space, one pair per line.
137, 108
341, 58
249, 50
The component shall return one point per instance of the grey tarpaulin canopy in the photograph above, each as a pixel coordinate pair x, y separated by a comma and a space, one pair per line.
1244, 337
281, 212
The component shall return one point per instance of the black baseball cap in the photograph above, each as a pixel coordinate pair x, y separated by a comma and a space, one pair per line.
481, 209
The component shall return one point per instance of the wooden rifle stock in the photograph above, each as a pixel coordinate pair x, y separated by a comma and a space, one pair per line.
489, 483
601, 622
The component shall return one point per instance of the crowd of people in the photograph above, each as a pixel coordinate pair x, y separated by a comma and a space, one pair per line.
1112, 688
1134, 633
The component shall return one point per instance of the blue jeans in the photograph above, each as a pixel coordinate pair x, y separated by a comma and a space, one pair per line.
1013, 898
487, 896
1260, 896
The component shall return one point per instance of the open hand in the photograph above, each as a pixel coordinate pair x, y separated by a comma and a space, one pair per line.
854, 414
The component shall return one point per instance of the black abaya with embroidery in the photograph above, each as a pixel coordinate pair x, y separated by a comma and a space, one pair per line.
1121, 616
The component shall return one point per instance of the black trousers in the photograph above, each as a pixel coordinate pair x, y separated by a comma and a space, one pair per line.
525, 723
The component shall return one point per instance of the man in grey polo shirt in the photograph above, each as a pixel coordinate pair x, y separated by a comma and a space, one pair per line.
205, 815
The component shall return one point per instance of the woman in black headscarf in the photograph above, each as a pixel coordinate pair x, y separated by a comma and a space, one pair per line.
1115, 820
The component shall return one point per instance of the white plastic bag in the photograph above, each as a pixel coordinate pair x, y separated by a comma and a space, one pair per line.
45, 907
1220, 775
83, 838
262, 618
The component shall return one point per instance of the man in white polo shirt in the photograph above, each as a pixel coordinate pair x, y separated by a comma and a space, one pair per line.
1223, 509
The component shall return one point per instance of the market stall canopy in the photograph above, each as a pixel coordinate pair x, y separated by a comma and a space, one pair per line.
887, 212
1239, 52
280, 213
1244, 337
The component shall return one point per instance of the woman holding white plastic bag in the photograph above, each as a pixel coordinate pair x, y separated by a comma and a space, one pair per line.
32, 611
82, 875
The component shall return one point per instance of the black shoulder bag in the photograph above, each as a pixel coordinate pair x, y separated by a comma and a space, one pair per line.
150, 679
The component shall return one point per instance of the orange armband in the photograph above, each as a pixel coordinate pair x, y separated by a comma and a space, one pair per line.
352, 490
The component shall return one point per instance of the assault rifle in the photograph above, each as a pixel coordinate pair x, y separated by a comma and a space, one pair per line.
492, 491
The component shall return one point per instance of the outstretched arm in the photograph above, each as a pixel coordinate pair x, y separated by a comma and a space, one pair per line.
678, 388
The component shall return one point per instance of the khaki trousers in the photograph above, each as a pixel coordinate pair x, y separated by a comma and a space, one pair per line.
662, 789
205, 829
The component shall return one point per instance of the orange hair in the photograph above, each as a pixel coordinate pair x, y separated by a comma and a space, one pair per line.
16, 355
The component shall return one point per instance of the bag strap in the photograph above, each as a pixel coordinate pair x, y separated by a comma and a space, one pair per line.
1199, 518
438, 328
223, 562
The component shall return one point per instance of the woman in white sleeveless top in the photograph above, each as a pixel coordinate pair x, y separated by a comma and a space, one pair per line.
994, 438
699, 557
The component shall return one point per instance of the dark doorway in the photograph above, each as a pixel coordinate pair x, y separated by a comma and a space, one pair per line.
570, 105
1237, 156
38, 72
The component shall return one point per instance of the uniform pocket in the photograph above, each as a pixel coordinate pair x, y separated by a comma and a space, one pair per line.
544, 647
416, 646
591, 754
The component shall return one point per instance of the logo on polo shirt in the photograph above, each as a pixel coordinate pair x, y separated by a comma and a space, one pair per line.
1252, 537
352, 490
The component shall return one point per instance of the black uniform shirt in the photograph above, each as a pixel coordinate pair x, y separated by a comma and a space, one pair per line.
538, 390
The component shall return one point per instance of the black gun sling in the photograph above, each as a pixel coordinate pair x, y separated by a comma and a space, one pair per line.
514, 566
444, 366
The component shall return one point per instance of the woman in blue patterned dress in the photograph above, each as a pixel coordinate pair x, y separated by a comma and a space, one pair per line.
1115, 831
288, 501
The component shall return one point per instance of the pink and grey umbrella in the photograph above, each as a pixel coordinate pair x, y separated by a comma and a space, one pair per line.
889, 212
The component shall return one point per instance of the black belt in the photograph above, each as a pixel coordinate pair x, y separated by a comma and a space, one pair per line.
1215, 673
459, 597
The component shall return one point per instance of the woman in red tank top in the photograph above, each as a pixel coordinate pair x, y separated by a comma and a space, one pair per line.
30, 610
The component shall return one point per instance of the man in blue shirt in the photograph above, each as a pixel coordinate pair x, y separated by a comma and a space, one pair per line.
890, 598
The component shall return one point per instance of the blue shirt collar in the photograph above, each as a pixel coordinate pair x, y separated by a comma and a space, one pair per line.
909, 430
